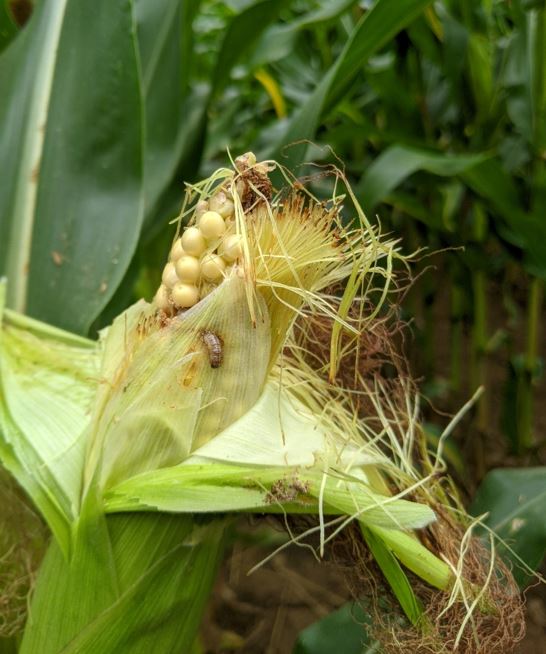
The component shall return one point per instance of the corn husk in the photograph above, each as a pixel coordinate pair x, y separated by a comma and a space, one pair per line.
48, 379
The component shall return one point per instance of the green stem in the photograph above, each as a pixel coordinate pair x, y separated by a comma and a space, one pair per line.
456, 349
479, 328
478, 361
466, 8
528, 374
533, 322
538, 76
479, 342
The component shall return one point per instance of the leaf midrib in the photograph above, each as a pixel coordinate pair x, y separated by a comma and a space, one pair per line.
33, 144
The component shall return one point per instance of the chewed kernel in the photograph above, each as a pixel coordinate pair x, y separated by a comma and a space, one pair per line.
185, 295
221, 204
187, 269
212, 225
212, 267
169, 276
193, 242
177, 250
231, 248
247, 159
161, 298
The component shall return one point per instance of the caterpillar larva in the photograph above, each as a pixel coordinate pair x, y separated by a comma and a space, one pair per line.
215, 348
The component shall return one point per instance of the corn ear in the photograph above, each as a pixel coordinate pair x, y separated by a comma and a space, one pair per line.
207, 401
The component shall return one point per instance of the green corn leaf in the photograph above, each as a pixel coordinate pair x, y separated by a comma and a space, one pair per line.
70, 174
165, 40
489, 180
279, 40
8, 27
377, 26
398, 162
525, 229
480, 67
515, 502
242, 33
483, 173
343, 631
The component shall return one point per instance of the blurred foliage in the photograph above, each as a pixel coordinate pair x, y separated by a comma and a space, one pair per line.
342, 631
514, 500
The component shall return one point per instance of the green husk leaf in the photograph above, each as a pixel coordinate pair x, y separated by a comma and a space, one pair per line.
396, 577
150, 575
154, 406
417, 557
280, 431
219, 487
47, 384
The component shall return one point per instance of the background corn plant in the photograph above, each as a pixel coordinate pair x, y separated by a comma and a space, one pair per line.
438, 110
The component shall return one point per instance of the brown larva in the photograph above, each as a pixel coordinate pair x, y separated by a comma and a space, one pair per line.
214, 345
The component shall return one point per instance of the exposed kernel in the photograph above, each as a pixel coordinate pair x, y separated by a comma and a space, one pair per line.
193, 242
212, 267
185, 295
231, 248
161, 299
221, 204
169, 276
187, 269
177, 250
212, 225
